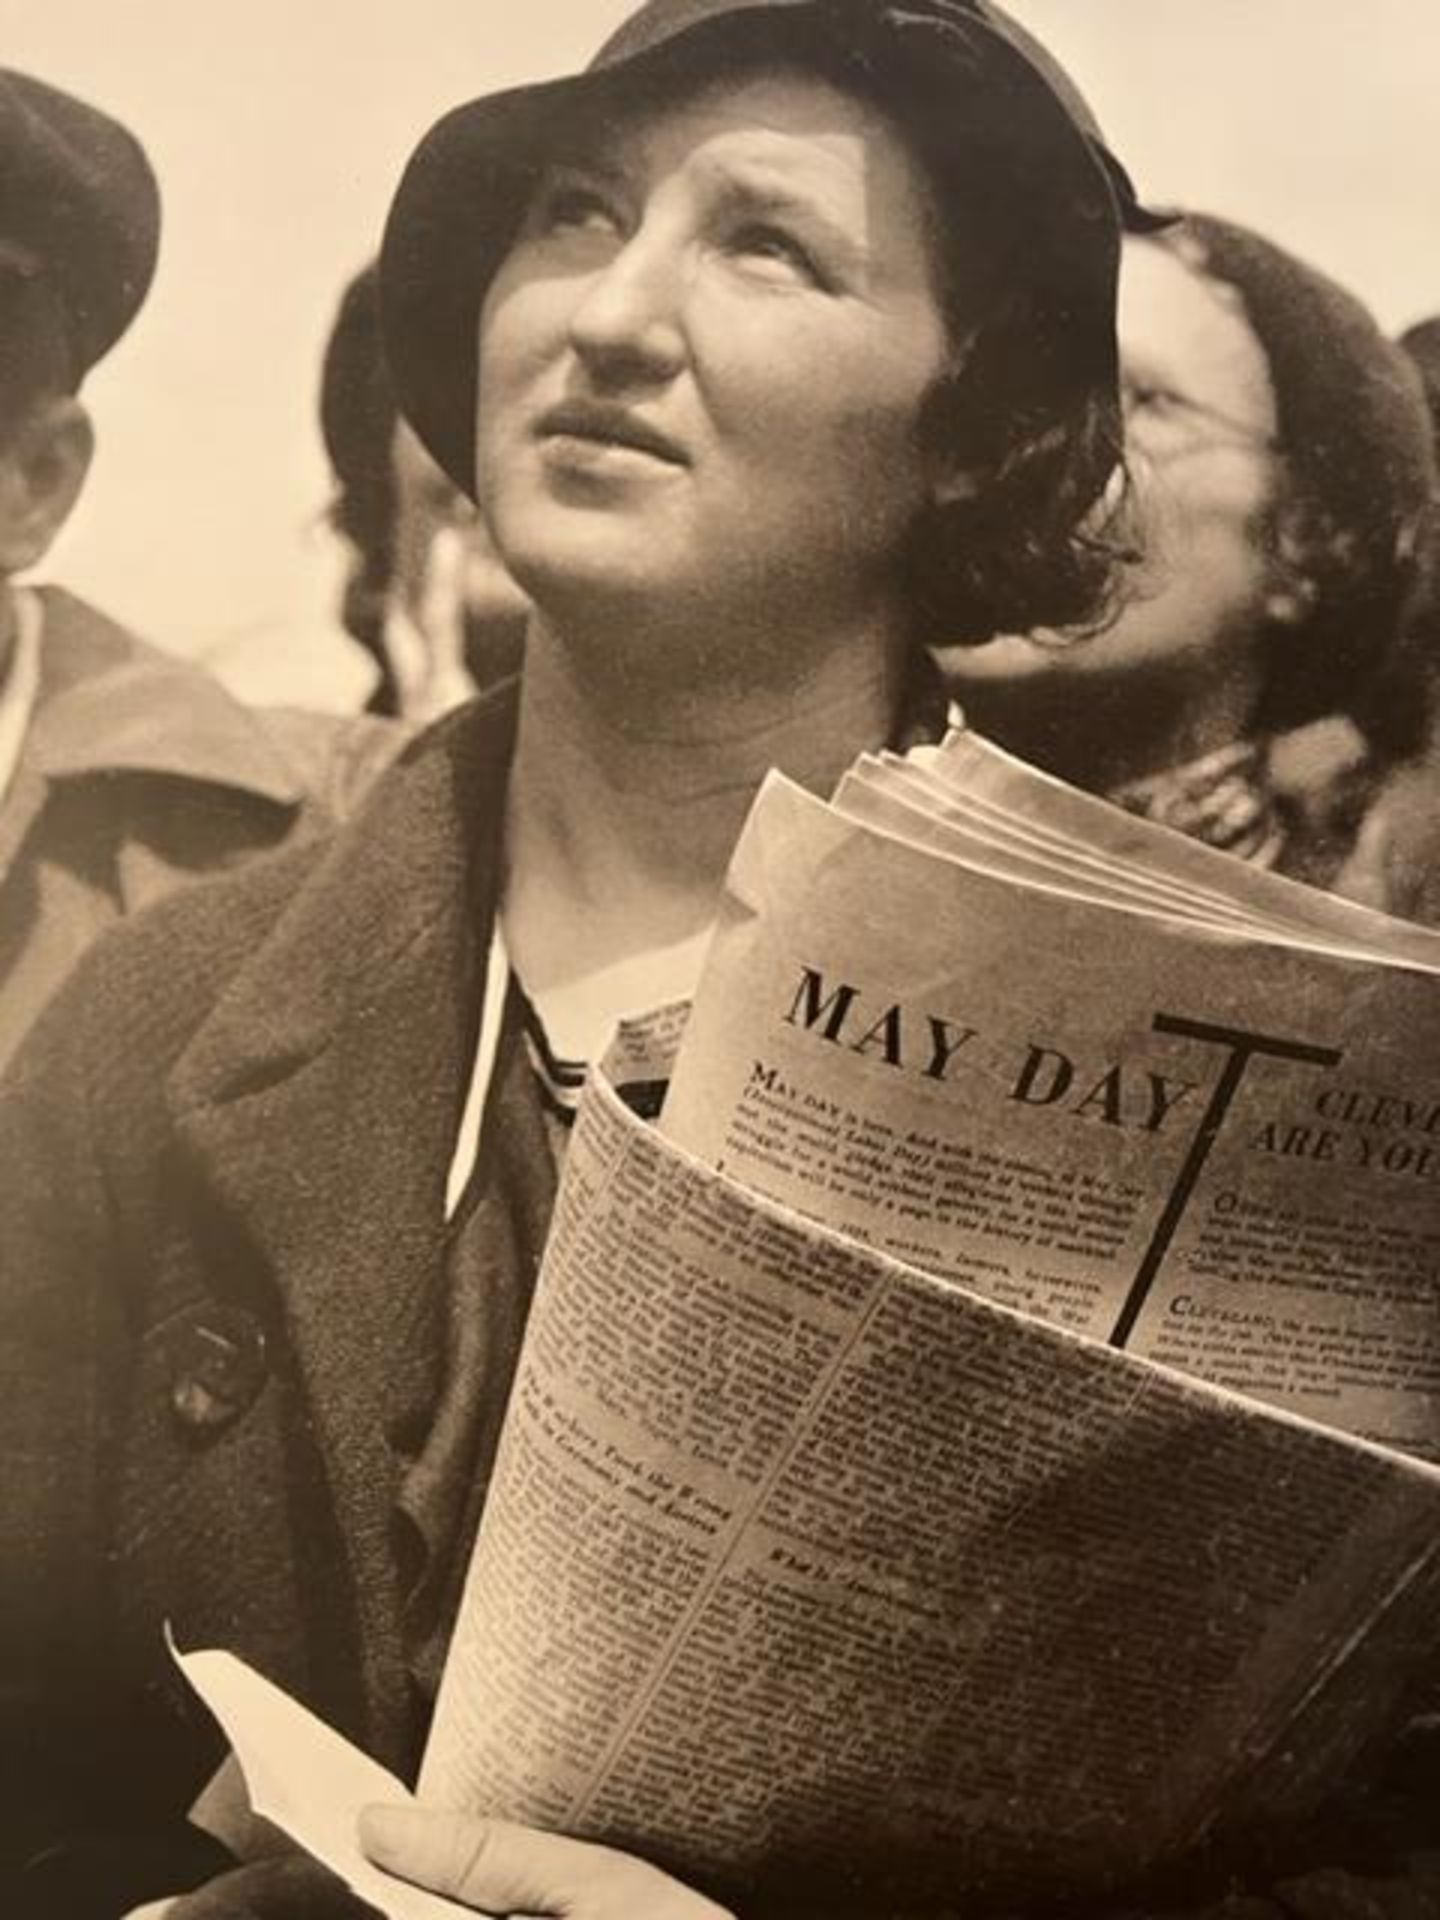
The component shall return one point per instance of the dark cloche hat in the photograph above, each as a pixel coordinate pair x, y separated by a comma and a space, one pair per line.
78, 204
1422, 343
467, 182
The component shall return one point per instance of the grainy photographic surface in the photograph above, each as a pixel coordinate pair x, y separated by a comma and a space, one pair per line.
859, 1486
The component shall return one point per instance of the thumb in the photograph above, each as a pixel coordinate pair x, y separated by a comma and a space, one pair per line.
489, 1864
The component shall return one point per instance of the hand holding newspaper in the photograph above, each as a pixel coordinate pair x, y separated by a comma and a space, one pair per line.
979, 1444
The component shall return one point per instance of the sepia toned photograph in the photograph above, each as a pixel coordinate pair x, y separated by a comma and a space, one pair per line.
720, 960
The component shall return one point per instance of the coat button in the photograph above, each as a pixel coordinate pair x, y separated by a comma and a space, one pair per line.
215, 1360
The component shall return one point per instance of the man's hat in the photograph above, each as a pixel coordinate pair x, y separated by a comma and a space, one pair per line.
79, 205
467, 183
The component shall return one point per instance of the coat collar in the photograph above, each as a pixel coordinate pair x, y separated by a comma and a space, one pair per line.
319, 1101
108, 703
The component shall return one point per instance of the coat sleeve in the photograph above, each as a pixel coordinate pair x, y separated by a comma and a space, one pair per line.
77, 1834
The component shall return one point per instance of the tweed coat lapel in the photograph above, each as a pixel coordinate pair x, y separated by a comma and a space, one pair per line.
320, 1101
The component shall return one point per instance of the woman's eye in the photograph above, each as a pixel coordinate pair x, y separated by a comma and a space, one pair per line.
1154, 402
776, 252
568, 205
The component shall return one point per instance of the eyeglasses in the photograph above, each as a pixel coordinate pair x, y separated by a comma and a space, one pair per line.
1174, 425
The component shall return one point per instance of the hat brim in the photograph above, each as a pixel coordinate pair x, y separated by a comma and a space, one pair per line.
79, 204
467, 184
450, 225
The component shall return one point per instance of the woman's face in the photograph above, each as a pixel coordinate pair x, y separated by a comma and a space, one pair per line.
702, 363
1199, 440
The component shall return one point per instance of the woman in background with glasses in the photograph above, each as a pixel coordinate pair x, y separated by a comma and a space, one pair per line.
1265, 669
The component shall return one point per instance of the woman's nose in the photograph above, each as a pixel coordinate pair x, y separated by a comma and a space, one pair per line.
627, 322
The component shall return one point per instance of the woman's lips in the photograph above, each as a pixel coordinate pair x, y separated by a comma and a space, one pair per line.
584, 430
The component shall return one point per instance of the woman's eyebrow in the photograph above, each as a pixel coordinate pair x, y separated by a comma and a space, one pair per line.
767, 194
1147, 373
593, 162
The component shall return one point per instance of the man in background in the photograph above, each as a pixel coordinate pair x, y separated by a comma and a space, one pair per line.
123, 771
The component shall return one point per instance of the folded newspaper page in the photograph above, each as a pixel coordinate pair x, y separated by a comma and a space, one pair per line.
1216, 1147
1039, 852
802, 1569
971, 765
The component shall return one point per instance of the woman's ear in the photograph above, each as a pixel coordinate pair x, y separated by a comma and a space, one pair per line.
953, 485
42, 469
956, 469
1291, 591
1289, 605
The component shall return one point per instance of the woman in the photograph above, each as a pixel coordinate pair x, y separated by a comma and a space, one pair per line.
778, 343
424, 596
1266, 667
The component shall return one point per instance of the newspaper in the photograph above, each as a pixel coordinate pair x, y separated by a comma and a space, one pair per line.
944, 1461
1215, 1144
802, 1569
807, 1575
1034, 802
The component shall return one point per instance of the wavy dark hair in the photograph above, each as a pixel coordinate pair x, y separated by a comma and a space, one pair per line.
357, 423
358, 414
1033, 409
1039, 545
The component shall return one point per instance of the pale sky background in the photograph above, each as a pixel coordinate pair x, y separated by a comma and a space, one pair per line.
278, 128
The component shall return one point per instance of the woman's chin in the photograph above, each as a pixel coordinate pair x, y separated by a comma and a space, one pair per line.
1008, 658
591, 575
